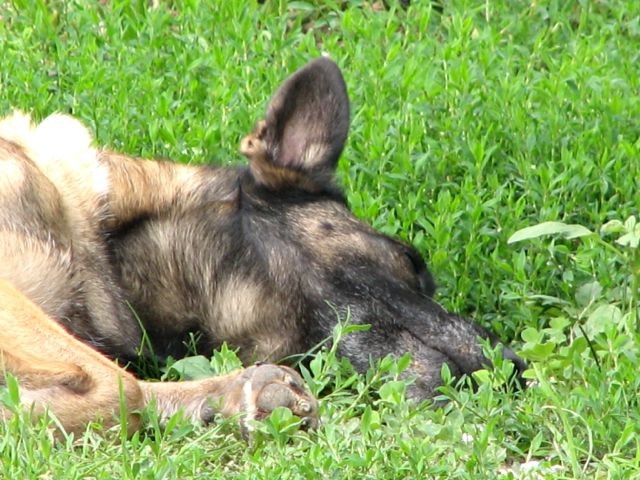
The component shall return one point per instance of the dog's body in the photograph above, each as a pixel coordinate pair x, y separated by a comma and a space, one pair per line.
266, 258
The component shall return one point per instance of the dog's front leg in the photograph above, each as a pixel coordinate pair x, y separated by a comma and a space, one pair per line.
252, 393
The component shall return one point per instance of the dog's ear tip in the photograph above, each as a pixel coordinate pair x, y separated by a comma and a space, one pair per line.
325, 59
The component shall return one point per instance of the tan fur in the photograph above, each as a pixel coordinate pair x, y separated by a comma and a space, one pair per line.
80, 387
139, 187
268, 173
57, 192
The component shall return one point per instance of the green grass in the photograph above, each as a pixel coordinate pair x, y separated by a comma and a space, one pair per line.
466, 127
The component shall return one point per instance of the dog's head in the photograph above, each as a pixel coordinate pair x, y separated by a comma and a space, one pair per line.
268, 258
330, 261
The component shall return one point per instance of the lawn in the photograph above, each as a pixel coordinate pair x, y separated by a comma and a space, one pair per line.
468, 125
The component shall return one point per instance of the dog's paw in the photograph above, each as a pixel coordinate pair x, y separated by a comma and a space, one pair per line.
267, 387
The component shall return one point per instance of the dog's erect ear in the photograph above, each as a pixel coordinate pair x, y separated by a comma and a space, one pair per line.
308, 118
299, 142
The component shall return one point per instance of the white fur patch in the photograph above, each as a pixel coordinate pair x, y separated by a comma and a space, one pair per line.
249, 404
16, 127
63, 141
64, 135
62, 148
